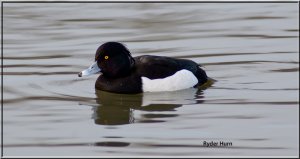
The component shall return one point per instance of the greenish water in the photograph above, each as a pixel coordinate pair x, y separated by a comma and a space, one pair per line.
251, 49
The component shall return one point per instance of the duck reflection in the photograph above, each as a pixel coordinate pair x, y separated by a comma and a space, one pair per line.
118, 109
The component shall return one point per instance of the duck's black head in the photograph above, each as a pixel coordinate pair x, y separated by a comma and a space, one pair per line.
114, 59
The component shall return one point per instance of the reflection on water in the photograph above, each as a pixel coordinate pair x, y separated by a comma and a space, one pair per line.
112, 144
116, 109
251, 49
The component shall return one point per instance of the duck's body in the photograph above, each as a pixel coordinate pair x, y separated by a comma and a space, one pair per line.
122, 73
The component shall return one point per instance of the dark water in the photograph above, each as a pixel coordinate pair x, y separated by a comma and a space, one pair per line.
250, 49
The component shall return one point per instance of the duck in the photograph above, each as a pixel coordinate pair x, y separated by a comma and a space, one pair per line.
124, 74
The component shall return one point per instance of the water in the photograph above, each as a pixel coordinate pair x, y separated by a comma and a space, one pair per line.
250, 49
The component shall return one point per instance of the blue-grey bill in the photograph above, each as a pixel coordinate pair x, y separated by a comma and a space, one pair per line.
93, 69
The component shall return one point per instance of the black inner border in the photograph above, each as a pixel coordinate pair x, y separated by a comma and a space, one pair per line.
2, 2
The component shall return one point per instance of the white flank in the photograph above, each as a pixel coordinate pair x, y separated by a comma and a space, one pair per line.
182, 79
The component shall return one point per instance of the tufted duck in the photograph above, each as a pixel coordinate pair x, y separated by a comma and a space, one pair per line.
122, 73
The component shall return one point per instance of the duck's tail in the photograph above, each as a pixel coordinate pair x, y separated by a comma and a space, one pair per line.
209, 82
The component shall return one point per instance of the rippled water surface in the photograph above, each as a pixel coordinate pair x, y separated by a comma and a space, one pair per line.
251, 49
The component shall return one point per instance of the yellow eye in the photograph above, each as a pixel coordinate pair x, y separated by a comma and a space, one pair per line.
105, 57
